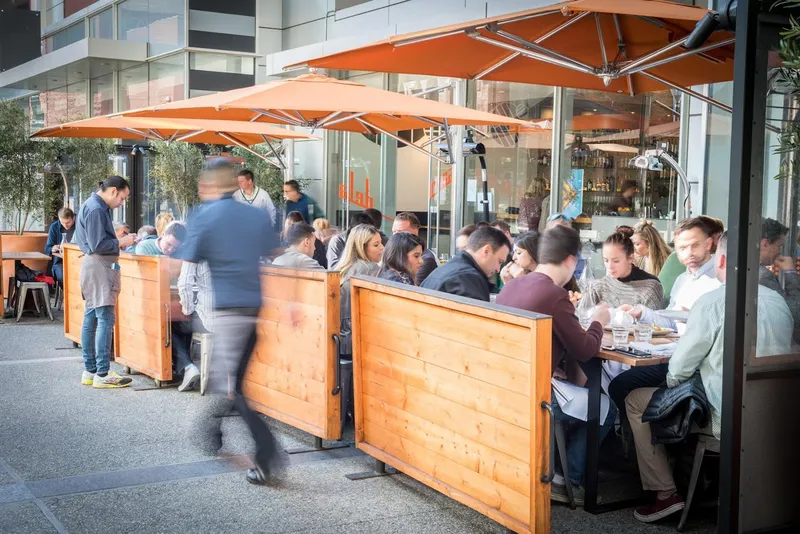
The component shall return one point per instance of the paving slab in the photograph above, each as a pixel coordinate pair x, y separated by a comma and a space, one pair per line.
24, 518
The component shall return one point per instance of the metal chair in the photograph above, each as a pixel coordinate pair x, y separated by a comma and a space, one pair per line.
705, 444
37, 289
561, 443
204, 340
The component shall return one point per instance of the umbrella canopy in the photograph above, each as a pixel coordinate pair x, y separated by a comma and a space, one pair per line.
194, 131
215, 132
316, 101
625, 46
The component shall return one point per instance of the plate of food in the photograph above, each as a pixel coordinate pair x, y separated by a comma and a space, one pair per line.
658, 331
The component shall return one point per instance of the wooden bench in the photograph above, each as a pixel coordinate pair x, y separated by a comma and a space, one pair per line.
293, 374
449, 391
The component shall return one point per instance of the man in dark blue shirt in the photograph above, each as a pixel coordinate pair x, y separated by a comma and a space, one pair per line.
100, 280
297, 201
232, 237
60, 231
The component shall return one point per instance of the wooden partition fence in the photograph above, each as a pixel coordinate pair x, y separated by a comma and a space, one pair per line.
292, 376
449, 391
143, 334
74, 305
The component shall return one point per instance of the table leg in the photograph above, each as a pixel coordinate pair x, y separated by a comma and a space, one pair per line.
593, 369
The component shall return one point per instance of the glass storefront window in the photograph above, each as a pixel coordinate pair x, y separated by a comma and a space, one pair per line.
222, 63
76, 100
65, 37
133, 88
167, 80
161, 23
54, 106
101, 26
517, 166
102, 95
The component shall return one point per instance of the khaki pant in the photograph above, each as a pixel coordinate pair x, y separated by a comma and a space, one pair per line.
653, 462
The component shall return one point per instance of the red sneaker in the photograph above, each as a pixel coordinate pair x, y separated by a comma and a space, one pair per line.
660, 509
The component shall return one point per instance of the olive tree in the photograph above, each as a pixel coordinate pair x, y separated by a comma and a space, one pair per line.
175, 169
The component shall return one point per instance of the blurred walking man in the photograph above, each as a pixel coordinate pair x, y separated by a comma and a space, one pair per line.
100, 280
232, 237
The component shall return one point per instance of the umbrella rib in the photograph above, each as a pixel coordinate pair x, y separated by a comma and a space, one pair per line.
243, 146
535, 47
287, 119
515, 55
652, 55
403, 141
624, 50
531, 54
602, 42
432, 140
429, 121
187, 135
449, 141
344, 119
275, 152
682, 55
290, 116
143, 135
325, 119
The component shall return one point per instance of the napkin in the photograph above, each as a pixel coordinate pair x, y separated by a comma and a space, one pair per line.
665, 349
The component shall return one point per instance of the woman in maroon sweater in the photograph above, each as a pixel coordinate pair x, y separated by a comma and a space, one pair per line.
542, 292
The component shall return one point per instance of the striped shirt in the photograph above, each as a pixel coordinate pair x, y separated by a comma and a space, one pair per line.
196, 276
701, 346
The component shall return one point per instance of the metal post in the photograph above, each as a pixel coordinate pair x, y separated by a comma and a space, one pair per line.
744, 219
458, 198
558, 150
288, 158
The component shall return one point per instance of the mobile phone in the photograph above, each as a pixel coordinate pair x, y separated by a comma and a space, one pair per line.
636, 353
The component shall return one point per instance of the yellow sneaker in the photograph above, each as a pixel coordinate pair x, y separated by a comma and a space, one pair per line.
87, 378
111, 381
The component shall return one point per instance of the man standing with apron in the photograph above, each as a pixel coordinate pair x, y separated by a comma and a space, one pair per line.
232, 237
100, 280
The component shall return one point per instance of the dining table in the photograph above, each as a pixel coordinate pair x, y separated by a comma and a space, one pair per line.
594, 373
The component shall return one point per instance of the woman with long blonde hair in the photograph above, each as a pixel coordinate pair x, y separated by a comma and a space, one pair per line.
651, 249
162, 220
362, 255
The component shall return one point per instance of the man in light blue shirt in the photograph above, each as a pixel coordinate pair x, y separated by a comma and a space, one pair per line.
174, 234
701, 350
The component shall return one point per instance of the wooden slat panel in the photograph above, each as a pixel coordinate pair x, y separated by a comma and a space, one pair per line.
139, 267
311, 292
493, 433
281, 403
286, 383
282, 311
74, 305
479, 332
488, 462
482, 365
142, 326
506, 405
494, 495
292, 371
450, 394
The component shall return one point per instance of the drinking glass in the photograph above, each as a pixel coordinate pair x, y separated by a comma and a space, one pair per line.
620, 335
643, 332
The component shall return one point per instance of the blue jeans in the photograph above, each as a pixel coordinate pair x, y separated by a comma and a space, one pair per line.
58, 272
576, 441
98, 327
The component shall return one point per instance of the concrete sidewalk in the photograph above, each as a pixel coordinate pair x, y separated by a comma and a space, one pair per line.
79, 460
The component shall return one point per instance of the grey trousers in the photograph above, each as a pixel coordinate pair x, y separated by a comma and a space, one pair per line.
234, 341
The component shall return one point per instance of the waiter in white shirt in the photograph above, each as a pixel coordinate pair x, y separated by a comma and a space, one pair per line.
250, 193
693, 244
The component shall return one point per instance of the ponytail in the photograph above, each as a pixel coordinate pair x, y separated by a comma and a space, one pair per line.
114, 181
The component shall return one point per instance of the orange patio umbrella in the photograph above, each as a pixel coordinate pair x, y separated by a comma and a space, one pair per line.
316, 101
624, 46
216, 132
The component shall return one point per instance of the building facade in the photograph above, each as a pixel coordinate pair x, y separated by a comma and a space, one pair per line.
110, 55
